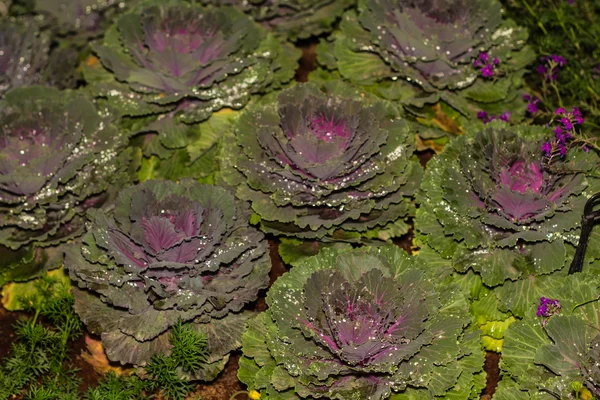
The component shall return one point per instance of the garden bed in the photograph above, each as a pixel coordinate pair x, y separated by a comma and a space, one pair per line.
439, 185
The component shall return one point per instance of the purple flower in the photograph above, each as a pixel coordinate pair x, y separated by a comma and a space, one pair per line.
562, 149
561, 61
532, 102
577, 115
486, 67
547, 308
485, 117
532, 108
487, 71
547, 149
566, 123
564, 131
551, 66
569, 119
541, 69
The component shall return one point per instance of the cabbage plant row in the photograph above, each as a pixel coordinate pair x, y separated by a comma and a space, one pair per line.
154, 148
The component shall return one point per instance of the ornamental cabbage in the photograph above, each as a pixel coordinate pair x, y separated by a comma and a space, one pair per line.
86, 17
418, 52
60, 155
324, 162
180, 62
24, 53
29, 55
296, 19
556, 355
361, 324
492, 202
168, 252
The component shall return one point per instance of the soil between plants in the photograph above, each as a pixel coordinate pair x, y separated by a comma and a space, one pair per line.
227, 382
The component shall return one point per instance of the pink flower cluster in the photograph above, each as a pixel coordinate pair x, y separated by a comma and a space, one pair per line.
532, 103
551, 66
563, 131
547, 308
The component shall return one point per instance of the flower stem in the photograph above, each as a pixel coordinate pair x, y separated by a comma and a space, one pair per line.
560, 103
535, 16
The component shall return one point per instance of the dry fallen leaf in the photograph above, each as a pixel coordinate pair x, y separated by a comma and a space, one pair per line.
96, 357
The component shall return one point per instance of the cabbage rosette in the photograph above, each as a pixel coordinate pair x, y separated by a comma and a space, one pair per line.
168, 251
176, 63
325, 162
361, 324
492, 202
60, 155
461, 52
24, 56
494, 207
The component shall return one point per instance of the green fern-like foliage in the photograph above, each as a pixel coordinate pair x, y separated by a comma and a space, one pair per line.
190, 347
113, 387
36, 366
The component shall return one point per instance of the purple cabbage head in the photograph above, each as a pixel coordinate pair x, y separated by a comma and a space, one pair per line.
316, 161
462, 52
179, 63
60, 155
168, 252
194, 59
355, 324
494, 203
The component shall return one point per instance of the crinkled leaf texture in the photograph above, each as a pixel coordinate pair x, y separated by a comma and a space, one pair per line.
432, 46
295, 19
490, 203
545, 355
319, 160
30, 55
167, 251
86, 17
182, 62
24, 54
60, 155
358, 324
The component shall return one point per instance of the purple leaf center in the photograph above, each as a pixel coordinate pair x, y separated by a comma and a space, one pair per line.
328, 129
521, 177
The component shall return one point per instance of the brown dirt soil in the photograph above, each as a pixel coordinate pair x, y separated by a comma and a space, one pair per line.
492, 368
227, 383
308, 62
7, 333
